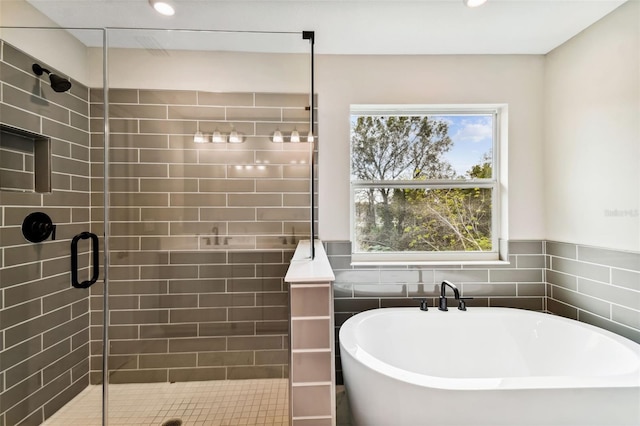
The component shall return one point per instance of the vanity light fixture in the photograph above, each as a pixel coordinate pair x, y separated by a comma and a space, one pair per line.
162, 7
200, 137
235, 137
295, 136
474, 3
277, 137
217, 137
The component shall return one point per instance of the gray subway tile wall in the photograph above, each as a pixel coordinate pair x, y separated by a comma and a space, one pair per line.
184, 239
202, 233
44, 322
595, 285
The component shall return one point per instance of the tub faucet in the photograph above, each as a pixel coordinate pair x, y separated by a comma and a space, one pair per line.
443, 300
216, 240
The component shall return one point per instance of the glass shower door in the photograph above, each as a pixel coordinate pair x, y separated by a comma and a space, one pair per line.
46, 181
205, 208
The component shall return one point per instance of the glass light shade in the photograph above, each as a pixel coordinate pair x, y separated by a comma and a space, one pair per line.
234, 137
217, 137
310, 137
162, 7
474, 3
295, 136
199, 137
277, 137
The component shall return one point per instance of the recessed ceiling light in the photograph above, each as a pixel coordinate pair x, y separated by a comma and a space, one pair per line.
474, 3
162, 7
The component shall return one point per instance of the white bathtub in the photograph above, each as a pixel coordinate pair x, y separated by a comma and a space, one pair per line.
486, 366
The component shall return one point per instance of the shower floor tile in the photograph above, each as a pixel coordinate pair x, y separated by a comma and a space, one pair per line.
232, 403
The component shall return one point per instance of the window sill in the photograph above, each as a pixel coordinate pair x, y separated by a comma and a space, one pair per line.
428, 259
432, 263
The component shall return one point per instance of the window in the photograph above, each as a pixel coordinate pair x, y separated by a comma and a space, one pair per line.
424, 183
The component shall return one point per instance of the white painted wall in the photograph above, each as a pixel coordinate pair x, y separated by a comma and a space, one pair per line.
510, 79
592, 138
199, 70
57, 48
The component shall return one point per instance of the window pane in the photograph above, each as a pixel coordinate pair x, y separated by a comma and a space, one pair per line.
471, 150
420, 147
419, 219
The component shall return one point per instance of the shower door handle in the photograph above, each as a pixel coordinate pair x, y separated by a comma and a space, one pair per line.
74, 260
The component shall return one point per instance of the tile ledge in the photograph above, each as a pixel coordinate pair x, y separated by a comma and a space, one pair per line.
303, 269
307, 384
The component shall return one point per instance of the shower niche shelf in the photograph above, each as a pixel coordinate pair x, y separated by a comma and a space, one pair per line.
25, 161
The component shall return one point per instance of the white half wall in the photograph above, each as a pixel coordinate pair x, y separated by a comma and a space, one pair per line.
592, 138
443, 79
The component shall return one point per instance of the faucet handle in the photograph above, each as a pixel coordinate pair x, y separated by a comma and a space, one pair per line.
442, 304
423, 303
461, 304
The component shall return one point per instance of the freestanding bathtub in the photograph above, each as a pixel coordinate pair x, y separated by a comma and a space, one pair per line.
486, 366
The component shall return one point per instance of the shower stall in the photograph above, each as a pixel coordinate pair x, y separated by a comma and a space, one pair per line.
167, 189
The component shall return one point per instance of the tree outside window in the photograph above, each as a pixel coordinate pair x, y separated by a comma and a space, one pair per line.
423, 182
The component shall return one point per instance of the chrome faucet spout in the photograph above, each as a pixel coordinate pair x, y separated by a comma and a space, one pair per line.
442, 305
216, 240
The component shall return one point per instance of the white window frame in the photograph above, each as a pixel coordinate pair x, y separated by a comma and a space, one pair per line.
498, 214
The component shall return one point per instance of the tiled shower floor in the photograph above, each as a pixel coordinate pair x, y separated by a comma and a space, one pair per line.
233, 403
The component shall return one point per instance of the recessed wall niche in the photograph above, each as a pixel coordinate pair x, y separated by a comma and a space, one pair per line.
25, 161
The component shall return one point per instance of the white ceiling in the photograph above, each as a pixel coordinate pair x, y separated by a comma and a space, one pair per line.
343, 27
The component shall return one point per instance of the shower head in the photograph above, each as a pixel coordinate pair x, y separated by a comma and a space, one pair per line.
58, 84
